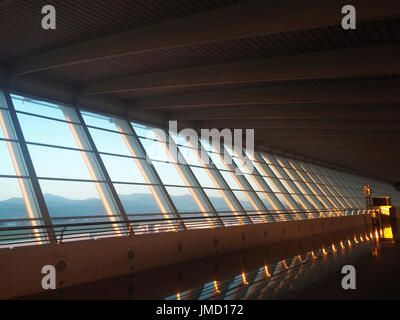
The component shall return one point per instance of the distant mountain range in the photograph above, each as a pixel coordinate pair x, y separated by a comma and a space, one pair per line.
14, 208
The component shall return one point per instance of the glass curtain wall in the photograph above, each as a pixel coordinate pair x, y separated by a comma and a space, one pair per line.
61, 164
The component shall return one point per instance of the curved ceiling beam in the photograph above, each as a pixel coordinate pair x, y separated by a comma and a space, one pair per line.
376, 91
356, 62
352, 125
243, 20
294, 111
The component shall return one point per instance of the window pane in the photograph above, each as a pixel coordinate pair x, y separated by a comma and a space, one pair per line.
217, 200
178, 139
59, 163
137, 199
156, 150
241, 163
183, 199
6, 164
123, 169
244, 200
272, 183
98, 120
203, 177
145, 131
109, 142
5, 125
46, 131
169, 173
72, 199
216, 159
230, 180
265, 200
12, 205
282, 200
253, 184
190, 156
37, 107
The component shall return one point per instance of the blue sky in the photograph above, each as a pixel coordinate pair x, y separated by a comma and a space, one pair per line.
69, 164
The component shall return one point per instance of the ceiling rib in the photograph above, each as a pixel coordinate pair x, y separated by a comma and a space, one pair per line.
330, 64
376, 91
253, 18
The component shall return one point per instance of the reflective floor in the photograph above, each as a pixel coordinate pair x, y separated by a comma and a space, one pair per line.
308, 268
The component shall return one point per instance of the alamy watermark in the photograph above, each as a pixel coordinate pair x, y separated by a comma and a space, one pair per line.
222, 144
349, 280
49, 19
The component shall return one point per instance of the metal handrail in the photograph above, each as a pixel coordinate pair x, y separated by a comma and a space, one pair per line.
17, 235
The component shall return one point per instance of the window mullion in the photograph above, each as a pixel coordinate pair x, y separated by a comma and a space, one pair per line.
191, 178
268, 173
221, 183
150, 174
245, 185
299, 195
301, 184
267, 191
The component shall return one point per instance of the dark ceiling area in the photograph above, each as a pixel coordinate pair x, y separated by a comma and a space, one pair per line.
286, 68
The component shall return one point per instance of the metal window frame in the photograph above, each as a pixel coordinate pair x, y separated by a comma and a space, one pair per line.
149, 172
245, 185
97, 168
34, 192
269, 173
220, 181
190, 179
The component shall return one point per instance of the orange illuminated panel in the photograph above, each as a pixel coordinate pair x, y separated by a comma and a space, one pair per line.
266, 271
216, 287
385, 210
244, 278
387, 233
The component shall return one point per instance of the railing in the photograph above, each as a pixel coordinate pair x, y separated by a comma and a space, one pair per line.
144, 224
